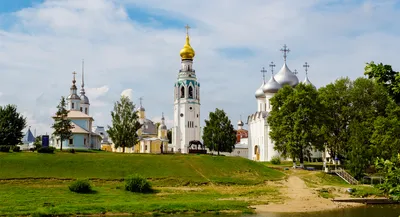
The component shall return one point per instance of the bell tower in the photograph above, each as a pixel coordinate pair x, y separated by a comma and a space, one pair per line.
186, 101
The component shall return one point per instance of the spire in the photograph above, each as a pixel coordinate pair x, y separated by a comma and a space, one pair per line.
83, 78
187, 52
73, 79
162, 118
285, 51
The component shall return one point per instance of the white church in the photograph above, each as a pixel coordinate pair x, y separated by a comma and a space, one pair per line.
261, 146
186, 102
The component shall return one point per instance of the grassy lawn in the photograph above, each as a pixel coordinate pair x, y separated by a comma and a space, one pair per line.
38, 183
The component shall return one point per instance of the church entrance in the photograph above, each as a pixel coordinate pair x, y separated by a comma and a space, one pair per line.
257, 152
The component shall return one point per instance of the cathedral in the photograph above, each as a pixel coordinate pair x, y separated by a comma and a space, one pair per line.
83, 136
186, 102
261, 147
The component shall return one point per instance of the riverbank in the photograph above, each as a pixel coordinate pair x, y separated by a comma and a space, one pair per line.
37, 184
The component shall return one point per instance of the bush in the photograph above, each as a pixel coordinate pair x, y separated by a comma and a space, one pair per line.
16, 148
136, 183
49, 150
5, 148
276, 160
81, 186
71, 151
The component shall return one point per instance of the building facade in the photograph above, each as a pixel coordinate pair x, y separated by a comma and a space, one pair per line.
261, 146
186, 102
78, 112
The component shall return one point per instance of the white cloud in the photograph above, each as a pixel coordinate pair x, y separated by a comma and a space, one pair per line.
46, 43
128, 93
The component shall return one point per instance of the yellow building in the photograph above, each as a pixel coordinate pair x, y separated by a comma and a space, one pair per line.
151, 139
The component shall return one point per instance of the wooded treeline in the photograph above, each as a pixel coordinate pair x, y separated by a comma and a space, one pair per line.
357, 121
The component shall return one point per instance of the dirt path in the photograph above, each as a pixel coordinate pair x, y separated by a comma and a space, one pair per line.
300, 198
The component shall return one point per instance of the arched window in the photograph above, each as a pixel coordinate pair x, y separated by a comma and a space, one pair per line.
86, 111
190, 92
182, 92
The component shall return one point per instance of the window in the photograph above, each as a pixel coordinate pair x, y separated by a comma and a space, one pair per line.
86, 111
72, 105
81, 109
145, 147
58, 141
84, 141
191, 92
182, 92
71, 141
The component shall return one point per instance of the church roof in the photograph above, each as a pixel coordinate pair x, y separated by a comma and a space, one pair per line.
28, 138
148, 127
285, 76
77, 114
77, 129
272, 86
259, 92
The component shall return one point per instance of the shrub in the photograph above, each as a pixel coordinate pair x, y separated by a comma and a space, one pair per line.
5, 148
136, 183
71, 151
49, 150
276, 160
16, 148
81, 186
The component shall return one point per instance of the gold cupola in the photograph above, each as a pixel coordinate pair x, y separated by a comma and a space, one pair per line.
187, 52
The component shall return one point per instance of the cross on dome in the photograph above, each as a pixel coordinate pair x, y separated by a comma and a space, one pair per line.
141, 99
295, 72
272, 65
187, 27
263, 71
285, 51
74, 80
306, 66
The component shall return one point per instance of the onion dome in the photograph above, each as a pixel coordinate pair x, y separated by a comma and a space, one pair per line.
308, 82
285, 76
141, 108
187, 52
73, 94
259, 92
162, 125
84, 99
272, 86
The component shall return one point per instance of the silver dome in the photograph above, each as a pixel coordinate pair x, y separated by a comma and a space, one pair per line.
141, 108
73, 96
308, 82
285, 76
84, 99
272, 86
162, 127
240, 123
259, 92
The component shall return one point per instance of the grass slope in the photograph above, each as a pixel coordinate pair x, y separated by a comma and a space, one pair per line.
164, 170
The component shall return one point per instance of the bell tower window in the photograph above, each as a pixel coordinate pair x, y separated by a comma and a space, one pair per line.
191, 92
73, 105
182, 92
86, 111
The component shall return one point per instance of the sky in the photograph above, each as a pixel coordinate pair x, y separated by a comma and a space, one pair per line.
131, 47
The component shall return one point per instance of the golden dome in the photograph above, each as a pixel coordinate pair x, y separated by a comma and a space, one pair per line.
187, 51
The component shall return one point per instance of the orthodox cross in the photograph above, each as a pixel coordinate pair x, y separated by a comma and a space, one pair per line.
285, 51
272, 65
263, 71
141, 99
295, 72
306, 66
187, 27
74, 73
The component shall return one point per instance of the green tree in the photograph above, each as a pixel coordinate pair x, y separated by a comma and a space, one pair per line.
169, 135
336, 101
219, 134
11, 125
391, 169
62, 125
384, 75
294, 120
125, 124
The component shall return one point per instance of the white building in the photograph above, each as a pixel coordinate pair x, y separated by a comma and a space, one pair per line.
186, 102
261, 147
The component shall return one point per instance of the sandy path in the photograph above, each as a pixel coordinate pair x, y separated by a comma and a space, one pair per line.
300, 198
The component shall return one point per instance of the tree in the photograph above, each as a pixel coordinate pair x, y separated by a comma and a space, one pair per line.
62, 125
219, 134
11, 125
391, 169
169, 135
384, 75
336, 101
125, 124
294, 120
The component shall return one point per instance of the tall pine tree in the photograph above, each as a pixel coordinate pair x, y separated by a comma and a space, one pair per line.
62, 125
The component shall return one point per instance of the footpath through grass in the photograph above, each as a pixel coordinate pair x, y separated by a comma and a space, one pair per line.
38, 183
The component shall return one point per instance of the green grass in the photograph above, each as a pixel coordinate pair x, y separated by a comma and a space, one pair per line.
37, 184
315, 179
366, 191
163, 170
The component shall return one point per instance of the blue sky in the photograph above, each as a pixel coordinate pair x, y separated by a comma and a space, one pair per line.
132, 47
